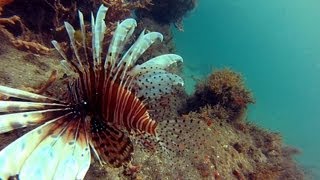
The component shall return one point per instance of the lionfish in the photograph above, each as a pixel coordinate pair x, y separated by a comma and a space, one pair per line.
112, 99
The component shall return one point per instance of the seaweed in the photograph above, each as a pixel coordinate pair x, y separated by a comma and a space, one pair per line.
224, 90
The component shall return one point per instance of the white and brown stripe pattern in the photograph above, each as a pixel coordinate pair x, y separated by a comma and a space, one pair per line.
107, 103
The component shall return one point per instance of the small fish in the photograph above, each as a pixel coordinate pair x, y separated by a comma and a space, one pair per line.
111, 102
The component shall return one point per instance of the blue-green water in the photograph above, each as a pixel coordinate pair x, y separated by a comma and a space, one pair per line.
275, 44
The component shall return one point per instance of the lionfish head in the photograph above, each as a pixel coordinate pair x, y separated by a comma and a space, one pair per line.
110, 101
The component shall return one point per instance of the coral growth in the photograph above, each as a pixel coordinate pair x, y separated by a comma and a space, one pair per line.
225, 91
45, 19
228, 87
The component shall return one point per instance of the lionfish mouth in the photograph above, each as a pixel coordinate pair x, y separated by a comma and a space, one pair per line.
111, 100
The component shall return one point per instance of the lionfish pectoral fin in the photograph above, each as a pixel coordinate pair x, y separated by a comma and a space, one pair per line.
75, 159
14, 155
9, 122
18, 114
19, 106
63, 154
20, 94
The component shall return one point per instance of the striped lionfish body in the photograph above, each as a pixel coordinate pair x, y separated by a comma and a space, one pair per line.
110, 100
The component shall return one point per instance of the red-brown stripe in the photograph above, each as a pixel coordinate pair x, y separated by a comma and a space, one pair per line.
125, 109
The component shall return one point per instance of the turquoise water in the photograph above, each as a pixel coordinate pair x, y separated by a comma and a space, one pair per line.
275, 44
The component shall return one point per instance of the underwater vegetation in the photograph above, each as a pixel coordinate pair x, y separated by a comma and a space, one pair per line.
225, 90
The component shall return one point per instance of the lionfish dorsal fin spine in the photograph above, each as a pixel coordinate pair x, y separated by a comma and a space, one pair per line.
93, 39
67, 66
127, 58
59, 49
71, 31
83, 34
99, 30
121, 35
139, 47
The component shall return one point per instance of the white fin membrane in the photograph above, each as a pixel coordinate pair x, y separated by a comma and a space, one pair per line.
121, 36
161, 62
156, 84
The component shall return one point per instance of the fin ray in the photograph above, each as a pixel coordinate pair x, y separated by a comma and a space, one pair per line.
161, 62
9, 122
121, 36
17, 106
17, 93
20, 149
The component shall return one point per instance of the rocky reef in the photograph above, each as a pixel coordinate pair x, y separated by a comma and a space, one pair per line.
230, 148
225, 91
168, 11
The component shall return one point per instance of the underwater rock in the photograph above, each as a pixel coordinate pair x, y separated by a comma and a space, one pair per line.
232, 153
167, 11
